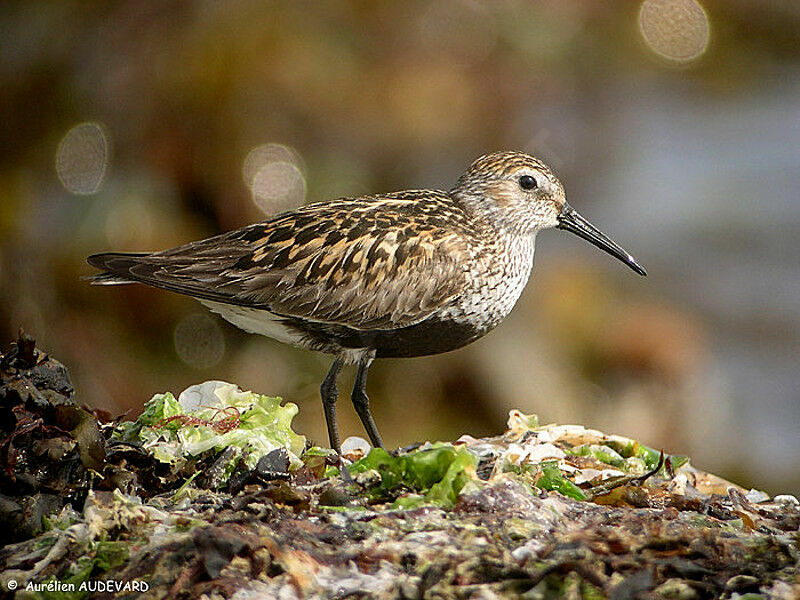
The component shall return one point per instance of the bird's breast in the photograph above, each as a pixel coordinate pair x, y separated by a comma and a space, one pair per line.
495, 279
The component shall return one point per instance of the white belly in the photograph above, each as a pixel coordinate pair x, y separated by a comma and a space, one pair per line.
254, 320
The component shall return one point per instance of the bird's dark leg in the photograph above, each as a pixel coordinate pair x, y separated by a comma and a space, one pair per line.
361, 402
329, 393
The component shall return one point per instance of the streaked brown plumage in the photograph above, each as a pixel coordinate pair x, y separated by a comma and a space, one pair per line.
401, 274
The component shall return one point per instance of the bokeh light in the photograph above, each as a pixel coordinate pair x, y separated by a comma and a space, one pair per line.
82, 158
199, 341
274, 174
677, 30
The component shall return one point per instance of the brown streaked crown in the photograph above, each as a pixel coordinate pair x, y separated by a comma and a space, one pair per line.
500, 165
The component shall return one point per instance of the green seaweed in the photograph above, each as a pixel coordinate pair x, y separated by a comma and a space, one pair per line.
629, 449
433, 475
110, 555
554, 480
604, 454
175, 430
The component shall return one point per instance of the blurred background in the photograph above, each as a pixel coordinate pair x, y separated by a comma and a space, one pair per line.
674, 125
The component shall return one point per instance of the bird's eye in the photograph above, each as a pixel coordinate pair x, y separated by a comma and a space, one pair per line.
526, 182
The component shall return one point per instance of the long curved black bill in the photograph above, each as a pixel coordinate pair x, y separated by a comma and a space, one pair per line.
570, 220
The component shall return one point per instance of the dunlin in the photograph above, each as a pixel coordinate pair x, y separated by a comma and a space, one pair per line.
402, 274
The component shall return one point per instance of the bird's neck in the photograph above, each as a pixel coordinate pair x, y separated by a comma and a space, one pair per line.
500, 218
519, 251
500, 270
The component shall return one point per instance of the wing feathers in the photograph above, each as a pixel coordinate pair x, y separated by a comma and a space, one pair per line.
369, 263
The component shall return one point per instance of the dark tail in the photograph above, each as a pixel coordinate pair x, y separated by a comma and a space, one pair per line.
176, 273
116, 267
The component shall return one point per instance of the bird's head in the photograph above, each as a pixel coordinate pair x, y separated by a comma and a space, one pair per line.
520, 194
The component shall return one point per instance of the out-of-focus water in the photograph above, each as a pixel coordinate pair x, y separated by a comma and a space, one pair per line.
707, 194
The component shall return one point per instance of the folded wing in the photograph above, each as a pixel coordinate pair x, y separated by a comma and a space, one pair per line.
367, 264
